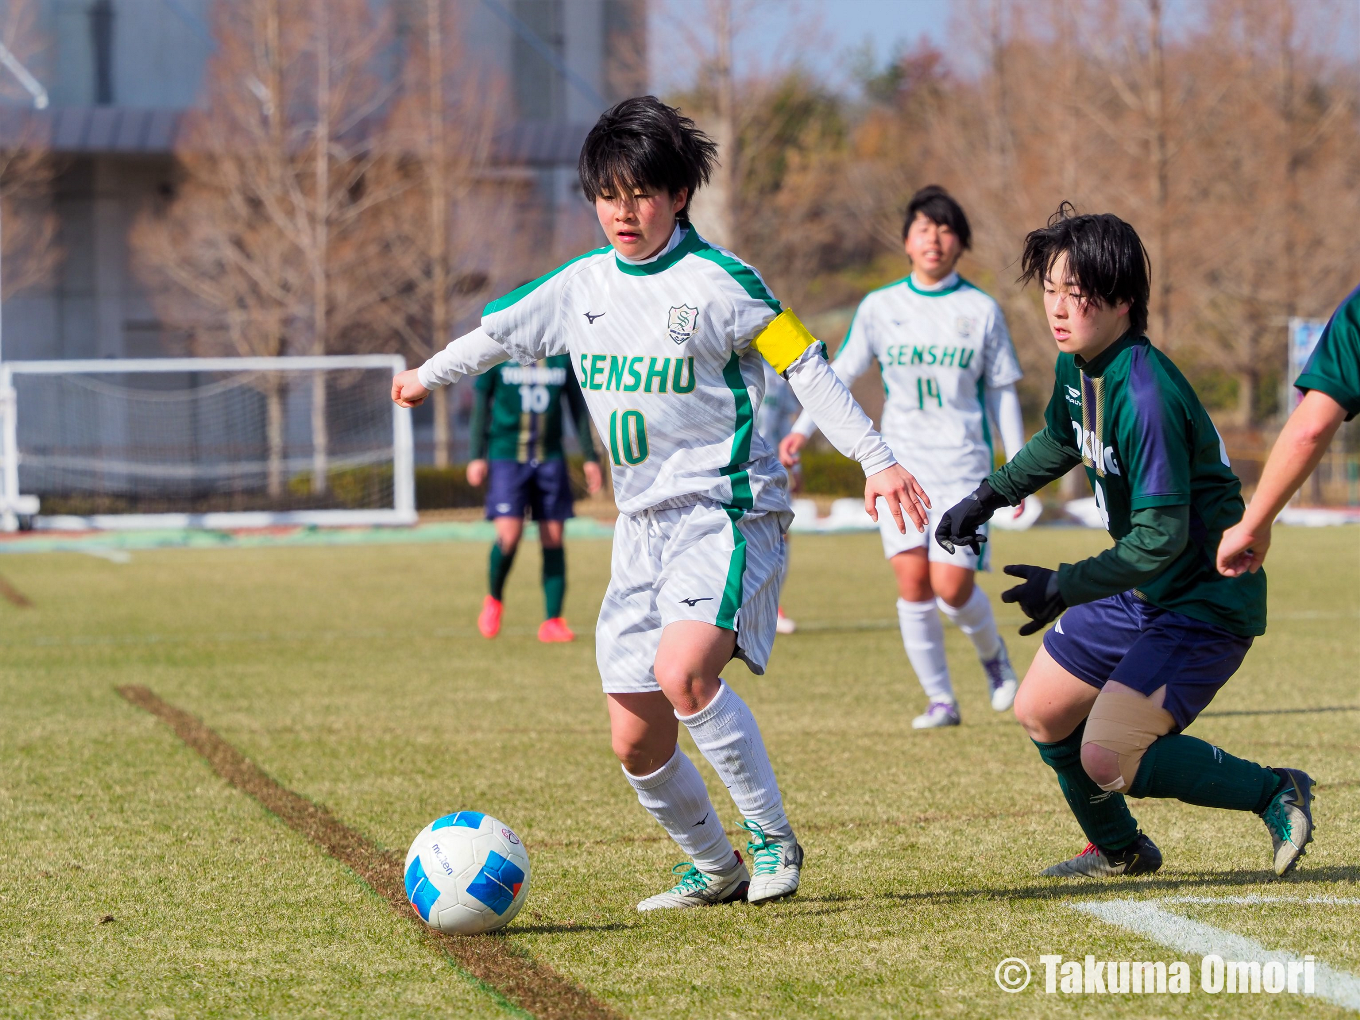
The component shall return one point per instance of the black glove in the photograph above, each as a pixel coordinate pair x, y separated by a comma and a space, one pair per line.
1039, 597
960, 523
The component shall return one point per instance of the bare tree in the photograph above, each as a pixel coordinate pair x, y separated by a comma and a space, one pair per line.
449, 237
30, 253
283, 182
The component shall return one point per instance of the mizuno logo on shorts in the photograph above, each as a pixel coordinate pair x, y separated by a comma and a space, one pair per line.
591, 318
694, 602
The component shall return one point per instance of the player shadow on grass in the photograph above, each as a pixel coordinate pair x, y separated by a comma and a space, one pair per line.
1069, 889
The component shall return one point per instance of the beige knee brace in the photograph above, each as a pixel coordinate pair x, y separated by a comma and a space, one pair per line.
1125, 722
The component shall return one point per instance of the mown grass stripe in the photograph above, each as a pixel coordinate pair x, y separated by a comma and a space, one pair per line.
524, 984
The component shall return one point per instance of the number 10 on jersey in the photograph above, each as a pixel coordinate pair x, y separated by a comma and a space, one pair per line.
627, 438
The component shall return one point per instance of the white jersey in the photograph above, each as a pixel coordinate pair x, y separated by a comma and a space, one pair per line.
939, 350
778, 410
669, 357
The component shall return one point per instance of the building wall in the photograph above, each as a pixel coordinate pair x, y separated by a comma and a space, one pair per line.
140, 54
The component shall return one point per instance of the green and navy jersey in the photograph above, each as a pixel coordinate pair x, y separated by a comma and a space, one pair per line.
938, 350
1146, 441
519, 409
668, 354
1334, 367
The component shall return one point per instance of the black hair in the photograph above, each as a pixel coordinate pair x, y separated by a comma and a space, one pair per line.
1104, 255
938, 206
642, 142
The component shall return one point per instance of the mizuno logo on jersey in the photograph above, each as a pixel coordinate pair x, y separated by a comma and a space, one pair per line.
612, 372
695, 601
591, 318
934, 354
532, 375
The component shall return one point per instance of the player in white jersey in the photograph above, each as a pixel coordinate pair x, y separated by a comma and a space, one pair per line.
667, 334
774, 419
947, 364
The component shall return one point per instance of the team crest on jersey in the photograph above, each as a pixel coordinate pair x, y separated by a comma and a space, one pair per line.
966, 326
684, 320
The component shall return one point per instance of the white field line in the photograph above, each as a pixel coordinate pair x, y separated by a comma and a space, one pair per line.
1331, 901
1147, 918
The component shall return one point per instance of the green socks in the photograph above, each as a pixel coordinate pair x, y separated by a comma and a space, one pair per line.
554, 581
1191, 770
501, 562
1102, 815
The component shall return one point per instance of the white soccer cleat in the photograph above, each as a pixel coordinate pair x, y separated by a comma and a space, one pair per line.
937, 714
700, 889
1001, 680
783, 625
776, 865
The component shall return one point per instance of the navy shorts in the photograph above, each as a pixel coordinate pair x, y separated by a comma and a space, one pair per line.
544, 487
1143, 646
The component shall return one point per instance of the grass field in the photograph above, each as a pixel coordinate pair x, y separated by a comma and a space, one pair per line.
353, 675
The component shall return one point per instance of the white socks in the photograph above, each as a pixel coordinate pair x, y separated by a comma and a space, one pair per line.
923, 638
975, 619
676, 797
728, 737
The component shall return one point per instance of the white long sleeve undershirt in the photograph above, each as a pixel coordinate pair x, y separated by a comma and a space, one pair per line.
1003, 405
827, 401
471, 354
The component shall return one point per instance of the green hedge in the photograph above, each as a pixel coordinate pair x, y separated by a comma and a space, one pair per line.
827, 473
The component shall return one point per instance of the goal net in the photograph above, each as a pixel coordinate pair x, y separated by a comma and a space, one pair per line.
205, 442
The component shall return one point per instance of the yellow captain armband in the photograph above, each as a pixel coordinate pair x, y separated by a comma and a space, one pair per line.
783, 341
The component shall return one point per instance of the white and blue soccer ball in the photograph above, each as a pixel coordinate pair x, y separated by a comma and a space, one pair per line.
467, 873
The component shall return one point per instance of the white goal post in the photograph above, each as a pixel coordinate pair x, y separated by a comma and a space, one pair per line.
204, 443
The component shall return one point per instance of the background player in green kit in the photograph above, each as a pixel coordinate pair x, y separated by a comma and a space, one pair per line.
517, 448
1331, 385
1155, 630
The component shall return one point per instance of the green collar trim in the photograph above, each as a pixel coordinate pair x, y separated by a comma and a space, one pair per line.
960, 282
1097, 365
692, 242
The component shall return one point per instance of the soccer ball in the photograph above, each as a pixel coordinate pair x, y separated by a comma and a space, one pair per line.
466, 873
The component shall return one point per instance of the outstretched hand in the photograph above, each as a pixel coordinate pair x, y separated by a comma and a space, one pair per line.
903, 494
1039, 597
960, 523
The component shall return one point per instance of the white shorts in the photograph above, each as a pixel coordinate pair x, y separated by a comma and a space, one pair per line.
895, 542
701, 562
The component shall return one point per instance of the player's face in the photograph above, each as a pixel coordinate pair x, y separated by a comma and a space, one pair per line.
639, 221
1080, 325
932, 247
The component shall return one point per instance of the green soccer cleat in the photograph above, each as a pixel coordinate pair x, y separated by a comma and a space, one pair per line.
700, 889
776, 865
1289, 817
1141, 857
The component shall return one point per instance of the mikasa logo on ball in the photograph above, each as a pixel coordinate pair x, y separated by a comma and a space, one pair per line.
510, 836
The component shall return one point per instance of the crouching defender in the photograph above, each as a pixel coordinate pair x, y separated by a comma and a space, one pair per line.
1154, 630
667, 334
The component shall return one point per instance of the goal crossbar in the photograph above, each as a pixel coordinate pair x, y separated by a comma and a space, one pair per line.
13, 505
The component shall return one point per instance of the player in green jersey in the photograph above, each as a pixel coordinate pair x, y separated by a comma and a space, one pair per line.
1331, 385
517, 449
1154, 630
